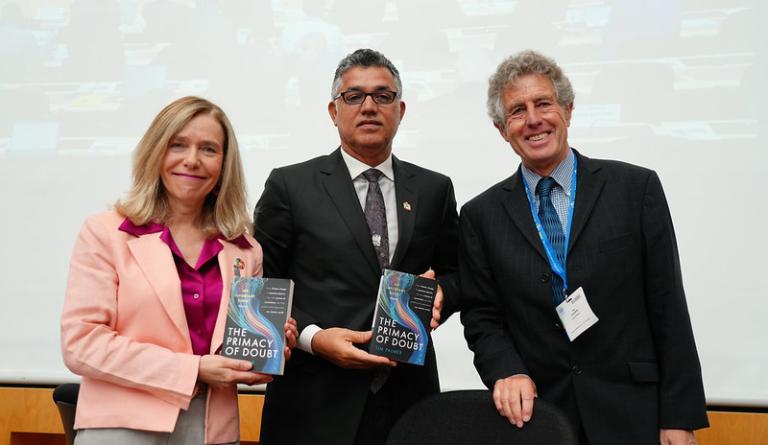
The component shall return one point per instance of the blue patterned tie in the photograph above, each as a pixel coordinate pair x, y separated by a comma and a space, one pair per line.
554, 230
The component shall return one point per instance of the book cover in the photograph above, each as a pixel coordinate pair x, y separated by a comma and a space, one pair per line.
402, 315
258, 310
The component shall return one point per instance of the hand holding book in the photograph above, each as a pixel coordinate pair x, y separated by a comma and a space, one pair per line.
337, 345
405, 310
216, 370
258, 308
437, 307
219, 371
291, 336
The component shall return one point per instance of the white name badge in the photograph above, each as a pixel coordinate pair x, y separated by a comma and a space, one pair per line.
575, 314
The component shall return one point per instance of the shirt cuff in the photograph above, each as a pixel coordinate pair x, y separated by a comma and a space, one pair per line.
305, 338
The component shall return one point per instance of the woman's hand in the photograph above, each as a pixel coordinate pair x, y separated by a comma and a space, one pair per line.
216, 370
291, 336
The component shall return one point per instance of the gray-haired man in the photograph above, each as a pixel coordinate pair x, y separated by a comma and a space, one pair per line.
570, 278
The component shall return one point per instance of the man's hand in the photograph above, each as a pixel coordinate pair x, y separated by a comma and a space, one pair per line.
291, 336
219, 371
337, 345
676, 437
437, 306
513, 397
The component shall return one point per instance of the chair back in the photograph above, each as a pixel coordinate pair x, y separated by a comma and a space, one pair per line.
65, 397
470, 417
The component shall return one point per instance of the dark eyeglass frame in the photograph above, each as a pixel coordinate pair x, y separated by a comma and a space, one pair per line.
379, 97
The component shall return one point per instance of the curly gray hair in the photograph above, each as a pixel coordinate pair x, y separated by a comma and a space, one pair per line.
520, 64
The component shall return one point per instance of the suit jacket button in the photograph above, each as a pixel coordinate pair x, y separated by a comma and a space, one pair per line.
545, 278
576, 370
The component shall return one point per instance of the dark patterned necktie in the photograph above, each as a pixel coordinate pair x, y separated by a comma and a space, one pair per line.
376, 217
554, 230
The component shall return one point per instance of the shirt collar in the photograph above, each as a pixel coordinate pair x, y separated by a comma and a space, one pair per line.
211, 247
356, 167
562, 174
241, 242
153, 227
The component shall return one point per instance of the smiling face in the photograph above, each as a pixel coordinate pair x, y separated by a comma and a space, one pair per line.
192, 164
535, 125
367, 129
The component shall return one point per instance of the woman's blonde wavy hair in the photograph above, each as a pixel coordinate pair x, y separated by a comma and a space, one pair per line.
224, 210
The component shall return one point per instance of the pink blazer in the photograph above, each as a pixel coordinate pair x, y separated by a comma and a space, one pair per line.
123, 329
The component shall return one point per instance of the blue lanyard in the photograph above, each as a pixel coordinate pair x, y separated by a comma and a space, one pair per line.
554, 263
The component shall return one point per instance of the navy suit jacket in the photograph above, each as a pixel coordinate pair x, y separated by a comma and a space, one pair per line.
637, 369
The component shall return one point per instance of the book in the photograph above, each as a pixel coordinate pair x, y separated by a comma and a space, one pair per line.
402, 315
258, 309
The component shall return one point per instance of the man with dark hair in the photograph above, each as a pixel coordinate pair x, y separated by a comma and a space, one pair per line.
570, 279
332, 224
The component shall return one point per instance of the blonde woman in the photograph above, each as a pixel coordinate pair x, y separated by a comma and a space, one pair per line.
145, 306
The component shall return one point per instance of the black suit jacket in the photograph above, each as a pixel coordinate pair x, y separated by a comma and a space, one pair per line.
637, 369
312, 228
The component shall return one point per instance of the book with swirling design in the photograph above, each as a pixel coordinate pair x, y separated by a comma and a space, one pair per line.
258, 309
401, 319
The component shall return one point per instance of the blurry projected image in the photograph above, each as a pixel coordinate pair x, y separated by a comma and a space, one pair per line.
674, 85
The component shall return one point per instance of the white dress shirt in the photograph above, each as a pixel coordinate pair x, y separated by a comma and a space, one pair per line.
387, 186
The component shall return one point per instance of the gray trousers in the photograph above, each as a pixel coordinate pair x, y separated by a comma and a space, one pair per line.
189, 429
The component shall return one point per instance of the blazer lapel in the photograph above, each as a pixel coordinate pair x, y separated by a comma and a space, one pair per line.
589, 185
406, 195
156, 261
226, 260
339, 186
519, 210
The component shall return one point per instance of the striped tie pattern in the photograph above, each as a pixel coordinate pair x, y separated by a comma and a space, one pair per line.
554, 230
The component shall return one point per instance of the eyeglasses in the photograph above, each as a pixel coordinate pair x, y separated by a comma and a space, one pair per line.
354, 97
